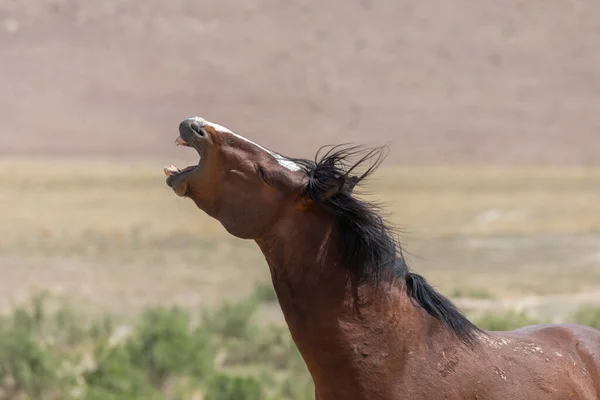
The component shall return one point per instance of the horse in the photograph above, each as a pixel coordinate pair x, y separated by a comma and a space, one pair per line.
366, 325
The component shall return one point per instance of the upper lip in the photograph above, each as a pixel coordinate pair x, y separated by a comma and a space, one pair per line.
180, 142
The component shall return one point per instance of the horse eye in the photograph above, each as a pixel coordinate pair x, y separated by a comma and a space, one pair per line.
262, 173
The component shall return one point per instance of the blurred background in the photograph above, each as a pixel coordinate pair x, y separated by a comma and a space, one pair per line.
111, 287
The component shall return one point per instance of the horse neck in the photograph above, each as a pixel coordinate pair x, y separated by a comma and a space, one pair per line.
350, 337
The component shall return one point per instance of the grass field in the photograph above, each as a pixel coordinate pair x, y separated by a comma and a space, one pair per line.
111, 236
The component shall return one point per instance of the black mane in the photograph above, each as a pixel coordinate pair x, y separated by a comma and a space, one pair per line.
368, 245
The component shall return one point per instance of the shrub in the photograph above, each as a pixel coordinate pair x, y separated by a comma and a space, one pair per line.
116, 377
297, 384
54, 355
504, 321
28, 362
265, 292
232, 387
165, 345
589, 316
232, 320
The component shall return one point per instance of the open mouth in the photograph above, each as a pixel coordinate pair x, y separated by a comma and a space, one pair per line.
191, 134
172, 171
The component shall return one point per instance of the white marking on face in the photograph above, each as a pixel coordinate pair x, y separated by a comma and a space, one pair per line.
284, 162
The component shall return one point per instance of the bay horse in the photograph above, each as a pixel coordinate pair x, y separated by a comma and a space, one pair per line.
367, 327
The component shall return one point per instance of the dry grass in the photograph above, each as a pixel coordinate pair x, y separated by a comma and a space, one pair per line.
114, 236
498, 201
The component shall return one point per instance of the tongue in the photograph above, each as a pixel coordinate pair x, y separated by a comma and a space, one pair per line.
180, 142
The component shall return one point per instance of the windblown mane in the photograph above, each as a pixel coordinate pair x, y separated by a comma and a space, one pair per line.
368, 245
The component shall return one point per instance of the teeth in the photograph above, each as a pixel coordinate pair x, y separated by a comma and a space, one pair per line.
180, 142
170, 170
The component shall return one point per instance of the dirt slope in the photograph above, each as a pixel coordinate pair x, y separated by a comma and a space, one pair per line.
442, 82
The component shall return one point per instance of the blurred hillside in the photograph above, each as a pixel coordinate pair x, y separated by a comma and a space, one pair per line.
509, 82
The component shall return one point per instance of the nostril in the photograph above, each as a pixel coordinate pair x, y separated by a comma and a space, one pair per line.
192, 126
196, 128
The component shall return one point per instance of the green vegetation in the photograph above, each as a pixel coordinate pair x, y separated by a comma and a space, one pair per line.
587, 315
265, 292
167, 353
223, 355
505, 320
472, 293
